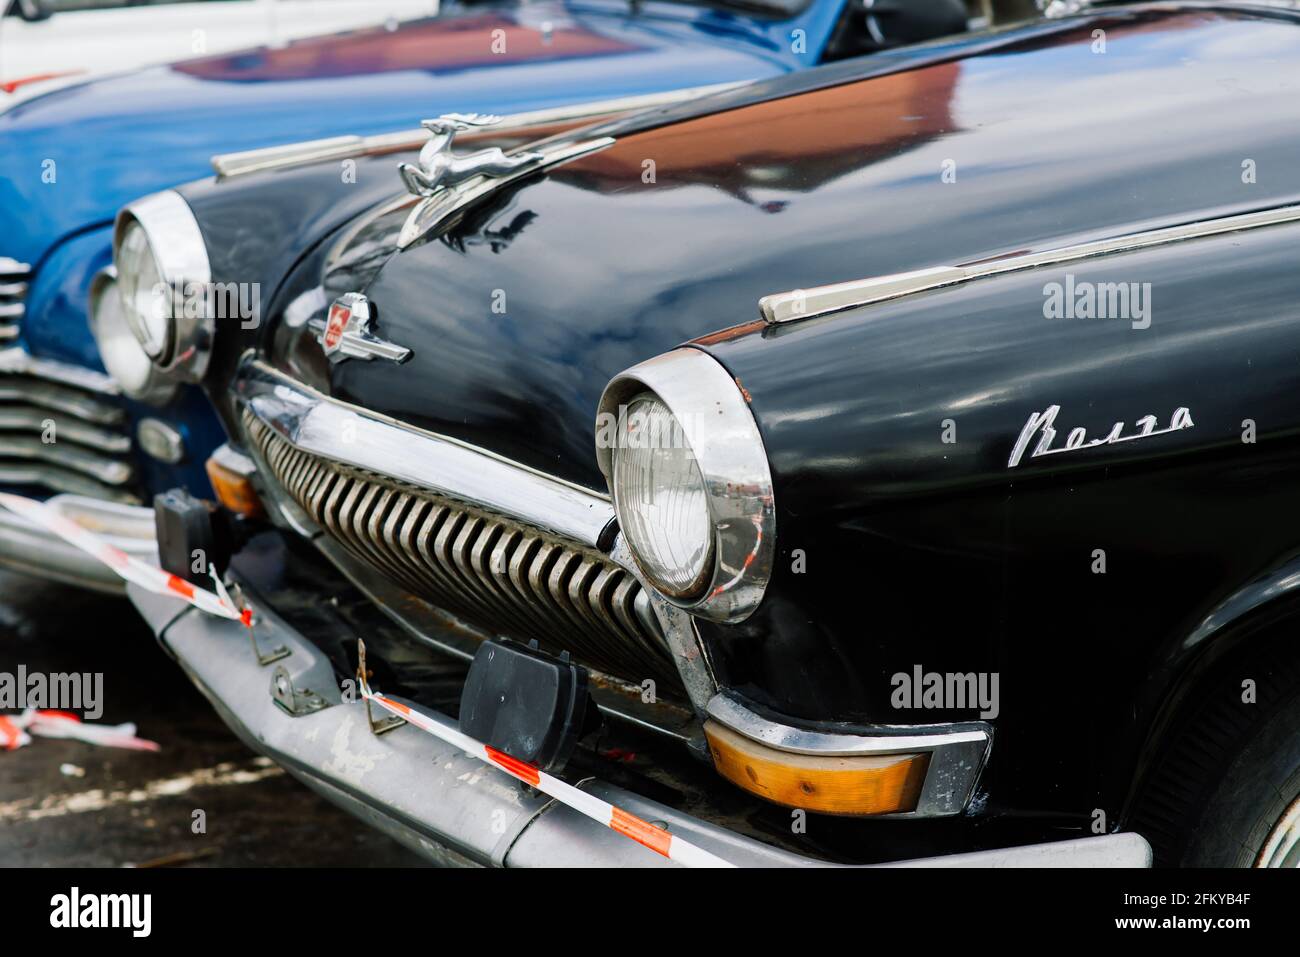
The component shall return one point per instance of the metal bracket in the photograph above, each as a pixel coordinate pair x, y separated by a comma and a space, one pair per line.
293, 701
237, 596
387, 723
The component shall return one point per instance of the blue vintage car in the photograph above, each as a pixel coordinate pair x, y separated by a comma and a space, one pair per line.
74, 156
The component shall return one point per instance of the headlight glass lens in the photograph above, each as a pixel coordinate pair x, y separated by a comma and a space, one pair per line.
122, 355
145, 305
660, 497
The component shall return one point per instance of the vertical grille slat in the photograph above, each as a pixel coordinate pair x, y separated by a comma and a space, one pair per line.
502, 577
418, 535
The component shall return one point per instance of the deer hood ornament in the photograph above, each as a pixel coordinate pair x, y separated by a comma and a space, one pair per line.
445, 182
439, 168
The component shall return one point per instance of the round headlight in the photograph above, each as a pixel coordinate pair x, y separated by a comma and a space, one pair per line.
123, 357
164, 282
146, 304
661, 499
695, 505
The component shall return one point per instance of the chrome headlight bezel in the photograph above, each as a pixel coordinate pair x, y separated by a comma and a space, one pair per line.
714, 413
176, 244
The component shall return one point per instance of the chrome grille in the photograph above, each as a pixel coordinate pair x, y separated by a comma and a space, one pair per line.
507, 578
91, 450
14, 277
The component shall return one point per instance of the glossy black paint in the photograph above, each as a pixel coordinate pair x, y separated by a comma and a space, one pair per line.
919, 552
959, 562
276, 230
520, 313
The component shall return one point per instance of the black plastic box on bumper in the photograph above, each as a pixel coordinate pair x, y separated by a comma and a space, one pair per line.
447, 805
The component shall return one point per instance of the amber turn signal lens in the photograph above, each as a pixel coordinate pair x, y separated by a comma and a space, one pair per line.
852, 786
233, 490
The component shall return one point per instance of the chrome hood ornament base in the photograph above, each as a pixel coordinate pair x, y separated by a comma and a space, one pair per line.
445, 181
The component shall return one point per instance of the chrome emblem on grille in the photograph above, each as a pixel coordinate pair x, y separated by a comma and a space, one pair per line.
345, 332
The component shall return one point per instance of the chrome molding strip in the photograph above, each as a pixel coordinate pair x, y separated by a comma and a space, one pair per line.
1058, 9
228, 165
16, 361
366, 440
822, 300
728, 709
31, 472
957, 752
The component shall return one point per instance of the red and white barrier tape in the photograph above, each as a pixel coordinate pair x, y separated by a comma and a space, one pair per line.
615, 818
131, 569
62, 724
156, 580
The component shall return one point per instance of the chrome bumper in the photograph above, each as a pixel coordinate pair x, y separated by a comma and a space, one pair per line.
446, 805
32, 550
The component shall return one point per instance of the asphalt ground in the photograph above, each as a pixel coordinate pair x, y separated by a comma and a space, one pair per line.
69, 804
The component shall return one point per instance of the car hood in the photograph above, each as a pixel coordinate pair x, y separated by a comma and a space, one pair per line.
521, 312
75, 155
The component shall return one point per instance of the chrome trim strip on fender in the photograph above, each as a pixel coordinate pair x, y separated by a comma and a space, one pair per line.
228, 165
375, 443
957, 752
822, 300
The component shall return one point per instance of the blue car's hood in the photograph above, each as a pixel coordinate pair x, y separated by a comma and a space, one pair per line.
73, 157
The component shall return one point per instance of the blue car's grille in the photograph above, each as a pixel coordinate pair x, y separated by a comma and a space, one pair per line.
13, 295
63, 429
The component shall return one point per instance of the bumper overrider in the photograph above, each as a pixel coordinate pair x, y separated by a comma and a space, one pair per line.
495, 519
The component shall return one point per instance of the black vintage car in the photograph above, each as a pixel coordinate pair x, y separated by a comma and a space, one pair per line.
939, 496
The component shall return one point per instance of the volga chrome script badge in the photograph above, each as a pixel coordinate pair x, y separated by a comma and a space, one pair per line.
1043, 424
345, 333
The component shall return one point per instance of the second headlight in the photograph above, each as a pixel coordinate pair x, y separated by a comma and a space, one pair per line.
163, 283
